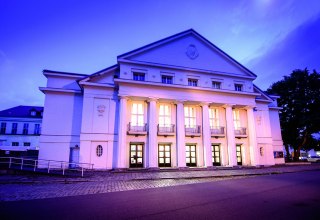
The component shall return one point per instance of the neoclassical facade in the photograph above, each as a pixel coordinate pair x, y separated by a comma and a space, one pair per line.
179, 102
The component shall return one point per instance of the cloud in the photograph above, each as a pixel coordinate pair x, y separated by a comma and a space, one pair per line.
298, 50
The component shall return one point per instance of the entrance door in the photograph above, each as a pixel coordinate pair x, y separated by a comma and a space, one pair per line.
74, 157
164, 155
136, 155
216, 155
191, 156
239, 154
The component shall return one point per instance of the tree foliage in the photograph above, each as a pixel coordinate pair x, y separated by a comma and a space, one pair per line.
300, 114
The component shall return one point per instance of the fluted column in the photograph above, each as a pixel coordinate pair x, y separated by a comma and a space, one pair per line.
152, 134
254, 151
122, 133
206, 134
232, 156
181, 145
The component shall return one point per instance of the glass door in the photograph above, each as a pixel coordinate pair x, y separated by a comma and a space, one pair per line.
164, 158
239, 154
216, 155
136, 155
191, 156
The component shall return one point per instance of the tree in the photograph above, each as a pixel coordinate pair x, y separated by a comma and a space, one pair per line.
300, 114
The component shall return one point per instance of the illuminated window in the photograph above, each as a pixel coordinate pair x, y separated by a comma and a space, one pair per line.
99, 150
216, 85
166, 79
238, 87
164, 115
33, 113
192, 82
214, 117
25, 128
139, 76
236, 119
137, 116
14, 128
190, 116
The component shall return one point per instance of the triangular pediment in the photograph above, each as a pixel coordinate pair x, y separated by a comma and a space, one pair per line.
187, 50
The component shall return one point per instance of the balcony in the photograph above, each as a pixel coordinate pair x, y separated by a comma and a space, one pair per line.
166, 130
194, 131
240, 132
137, 129
217, 131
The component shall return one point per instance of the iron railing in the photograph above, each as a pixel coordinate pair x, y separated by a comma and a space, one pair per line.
217, 130
166, 128
43, 165
193, 130
137, 128
240, 131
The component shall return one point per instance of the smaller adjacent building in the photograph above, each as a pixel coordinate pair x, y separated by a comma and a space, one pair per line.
20, 129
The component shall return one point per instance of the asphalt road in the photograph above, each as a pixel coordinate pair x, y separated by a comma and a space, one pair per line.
282, 196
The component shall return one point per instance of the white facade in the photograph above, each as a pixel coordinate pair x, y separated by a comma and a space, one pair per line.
178, 102
20, 128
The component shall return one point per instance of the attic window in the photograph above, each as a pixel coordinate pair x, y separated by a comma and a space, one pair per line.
138, 76
238, 87
33, 113
192, 82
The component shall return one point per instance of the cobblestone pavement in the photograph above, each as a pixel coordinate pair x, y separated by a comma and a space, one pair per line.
39, 186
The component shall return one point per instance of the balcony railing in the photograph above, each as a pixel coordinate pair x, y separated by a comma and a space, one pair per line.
137, 129
193, 131
217, 131
166, 130
240, 132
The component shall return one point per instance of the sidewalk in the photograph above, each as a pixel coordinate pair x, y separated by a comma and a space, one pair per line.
33, 186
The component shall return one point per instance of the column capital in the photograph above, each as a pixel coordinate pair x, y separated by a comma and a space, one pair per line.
228, 105
181, 101
205, 104
150, 99
250, 107
123, 97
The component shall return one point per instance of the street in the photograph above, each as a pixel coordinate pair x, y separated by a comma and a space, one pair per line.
281, 196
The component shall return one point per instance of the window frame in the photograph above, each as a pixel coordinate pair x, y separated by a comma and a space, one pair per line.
137, 118
25, 128
190, 120
37, 129
165, 79
15, 143
138, 76
214, 117
165, 116
3, 128
99, 150
238, 87
193, 82
14, 128
236, 119
215, 83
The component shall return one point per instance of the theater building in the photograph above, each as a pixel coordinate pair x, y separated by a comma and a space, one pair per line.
179, 102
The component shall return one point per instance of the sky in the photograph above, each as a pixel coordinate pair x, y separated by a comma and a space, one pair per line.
269, 37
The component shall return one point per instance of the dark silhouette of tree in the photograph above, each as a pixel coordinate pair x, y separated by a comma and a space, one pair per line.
300, 114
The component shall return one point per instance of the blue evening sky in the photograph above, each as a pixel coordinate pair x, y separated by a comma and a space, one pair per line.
270, 37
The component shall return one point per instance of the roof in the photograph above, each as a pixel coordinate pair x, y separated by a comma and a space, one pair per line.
22, 111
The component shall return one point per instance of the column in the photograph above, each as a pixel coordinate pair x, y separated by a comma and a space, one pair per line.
206, 135
152, 134
122, 134
181, 145
232, 156
254, 151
